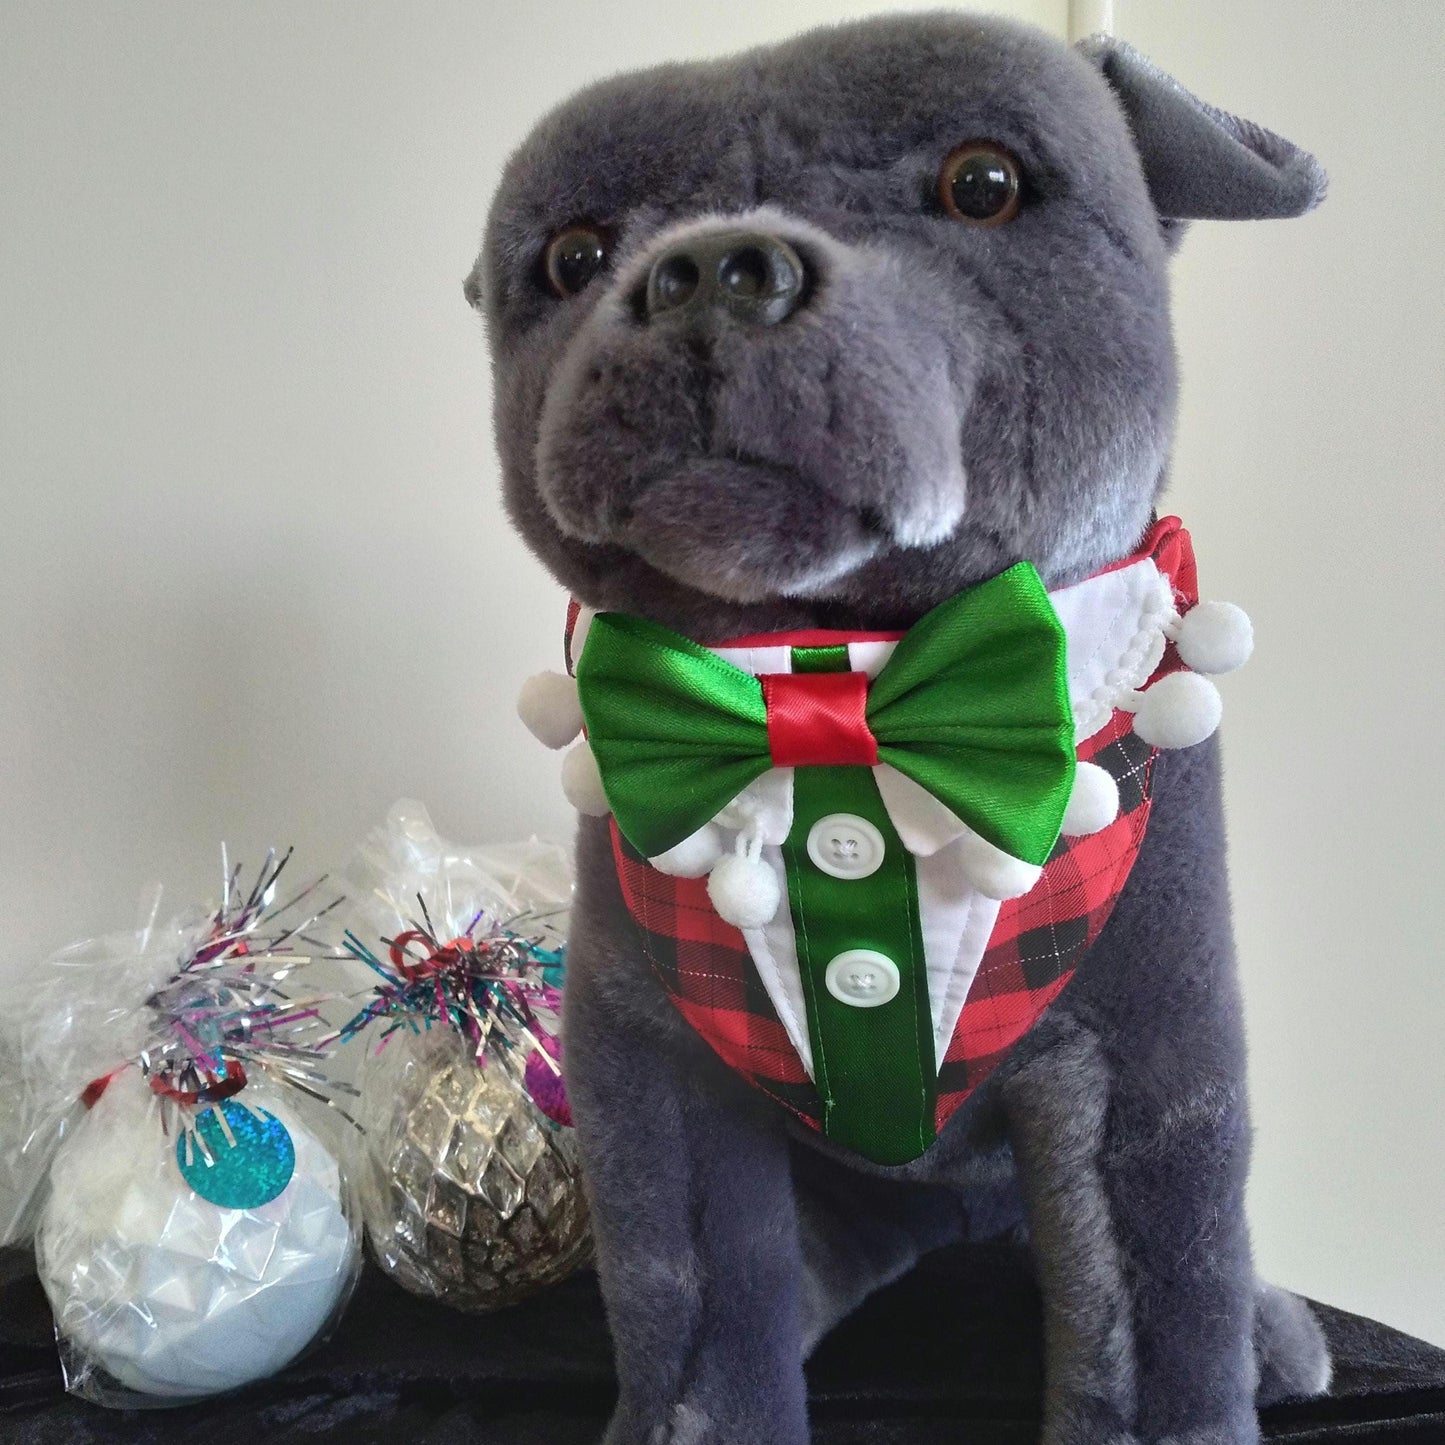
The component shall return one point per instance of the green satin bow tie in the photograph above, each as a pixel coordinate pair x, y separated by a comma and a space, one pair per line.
973, 705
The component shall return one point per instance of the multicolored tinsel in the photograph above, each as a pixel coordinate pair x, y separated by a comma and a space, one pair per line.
229, 1013
498, 988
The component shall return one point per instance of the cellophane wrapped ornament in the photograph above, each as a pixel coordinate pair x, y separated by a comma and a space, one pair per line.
194, 1229
471, 1188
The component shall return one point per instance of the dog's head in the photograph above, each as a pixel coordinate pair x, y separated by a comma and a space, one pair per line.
824, 333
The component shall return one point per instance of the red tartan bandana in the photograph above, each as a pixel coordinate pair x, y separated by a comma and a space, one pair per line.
705, 966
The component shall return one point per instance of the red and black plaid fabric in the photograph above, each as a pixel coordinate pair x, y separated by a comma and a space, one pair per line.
1037, 942
1038, 939
704, 965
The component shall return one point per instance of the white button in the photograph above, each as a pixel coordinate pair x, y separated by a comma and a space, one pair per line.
844, 845
863, 978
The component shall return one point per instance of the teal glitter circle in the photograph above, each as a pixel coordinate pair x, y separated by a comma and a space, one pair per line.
246, 1175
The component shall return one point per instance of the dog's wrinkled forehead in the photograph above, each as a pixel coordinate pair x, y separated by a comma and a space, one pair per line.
825, 126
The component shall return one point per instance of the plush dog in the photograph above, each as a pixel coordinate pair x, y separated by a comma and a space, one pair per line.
835, 381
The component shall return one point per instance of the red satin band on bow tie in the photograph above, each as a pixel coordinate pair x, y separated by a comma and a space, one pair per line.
817, 718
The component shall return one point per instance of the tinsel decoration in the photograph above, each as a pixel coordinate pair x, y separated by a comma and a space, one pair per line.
196, 1233
471, 1190
227, 1016
493, 986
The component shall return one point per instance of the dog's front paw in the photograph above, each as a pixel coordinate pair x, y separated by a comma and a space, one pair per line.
687, 1427
1290, 1350
1085, 1422
1245, 1432
1092, 1423
683, 1425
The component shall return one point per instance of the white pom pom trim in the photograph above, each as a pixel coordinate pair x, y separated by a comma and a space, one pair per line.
582, 783
1094, 802
694, 856
1214, 637
744, 890
548, 707
1179, 711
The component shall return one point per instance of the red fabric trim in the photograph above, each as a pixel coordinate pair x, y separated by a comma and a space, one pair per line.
1159, 539
1172, 549
817, 719
574, 609
742, 1038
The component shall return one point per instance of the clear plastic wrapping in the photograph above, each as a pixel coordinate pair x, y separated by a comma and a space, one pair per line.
160, 1295
172, 1152
470, 1180
68, 1023
403, 870
471, 1195
23, 1160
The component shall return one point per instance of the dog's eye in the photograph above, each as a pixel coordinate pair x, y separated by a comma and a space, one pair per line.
574, 256
980, 184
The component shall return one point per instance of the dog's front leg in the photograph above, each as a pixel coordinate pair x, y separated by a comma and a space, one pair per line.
694, 1219
1142, 1257
697, 1246
1128, 1120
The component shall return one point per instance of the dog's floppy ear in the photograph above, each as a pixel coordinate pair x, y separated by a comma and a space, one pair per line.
1204, 164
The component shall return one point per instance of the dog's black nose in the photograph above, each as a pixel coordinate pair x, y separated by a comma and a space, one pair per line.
756, 278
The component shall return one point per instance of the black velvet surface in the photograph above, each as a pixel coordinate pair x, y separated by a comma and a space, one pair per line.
949, 1354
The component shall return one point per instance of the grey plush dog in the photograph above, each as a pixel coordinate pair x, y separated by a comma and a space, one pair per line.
758, 368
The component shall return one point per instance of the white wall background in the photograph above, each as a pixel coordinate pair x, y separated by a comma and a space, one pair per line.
255, 582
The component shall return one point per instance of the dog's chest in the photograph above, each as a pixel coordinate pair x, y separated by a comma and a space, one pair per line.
994, 969
887, 988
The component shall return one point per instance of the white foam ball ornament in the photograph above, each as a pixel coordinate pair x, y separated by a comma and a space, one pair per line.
745, 891
1178, 711
1215, 637
582, 783
694, 856
1094, 802
548, 707
169, 1294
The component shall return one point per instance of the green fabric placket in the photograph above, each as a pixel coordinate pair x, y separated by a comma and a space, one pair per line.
874, 1067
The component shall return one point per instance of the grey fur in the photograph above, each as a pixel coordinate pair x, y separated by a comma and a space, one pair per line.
1202, 163
1289, 1347
1057, 1106
947, 401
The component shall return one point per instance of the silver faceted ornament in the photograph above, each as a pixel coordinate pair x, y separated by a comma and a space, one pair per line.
470, 1194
